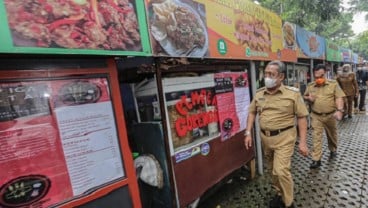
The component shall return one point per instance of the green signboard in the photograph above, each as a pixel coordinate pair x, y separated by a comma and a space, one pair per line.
333, 52
95, 27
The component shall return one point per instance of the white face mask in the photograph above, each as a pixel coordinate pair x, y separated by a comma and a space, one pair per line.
270, 83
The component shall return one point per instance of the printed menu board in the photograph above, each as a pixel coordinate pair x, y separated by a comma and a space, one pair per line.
233, 99
55, 138
74, 27
236, 29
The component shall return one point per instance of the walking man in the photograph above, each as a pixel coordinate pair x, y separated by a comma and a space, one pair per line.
326, 101
362, 78
350, 87
279, 107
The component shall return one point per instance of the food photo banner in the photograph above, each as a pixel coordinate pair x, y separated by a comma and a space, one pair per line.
355, 58
332, 51
310, 45
346, 55
289, 51
213, 28
97, 27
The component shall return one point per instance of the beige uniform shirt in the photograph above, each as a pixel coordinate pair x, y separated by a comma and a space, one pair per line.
348, 84
278, 111
325, 96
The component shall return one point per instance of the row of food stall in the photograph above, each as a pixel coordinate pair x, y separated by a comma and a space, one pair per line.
83, 84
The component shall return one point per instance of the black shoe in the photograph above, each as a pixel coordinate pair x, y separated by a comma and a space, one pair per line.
276, 202
349, 116
291, 206
315, 164
333, 154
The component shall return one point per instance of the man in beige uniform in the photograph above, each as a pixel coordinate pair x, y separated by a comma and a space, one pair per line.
349, 85
279, 107
327, 105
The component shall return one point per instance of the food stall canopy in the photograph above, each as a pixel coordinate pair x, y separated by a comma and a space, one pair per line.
332, 52
233, 29
310, 45
74, 27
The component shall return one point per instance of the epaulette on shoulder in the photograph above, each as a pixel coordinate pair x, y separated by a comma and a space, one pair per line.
261, 89
332, 80
292, 88
310, 83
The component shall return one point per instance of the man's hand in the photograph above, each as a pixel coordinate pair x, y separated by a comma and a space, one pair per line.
311, 98
303, 149
338, 115
248, 142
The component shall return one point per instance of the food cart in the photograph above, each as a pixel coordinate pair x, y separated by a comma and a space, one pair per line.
192, 99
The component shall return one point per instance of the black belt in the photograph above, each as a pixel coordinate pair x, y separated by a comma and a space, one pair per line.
323, 114
275, 132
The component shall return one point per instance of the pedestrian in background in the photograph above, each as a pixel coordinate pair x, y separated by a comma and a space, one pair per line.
325, 98
362, 79
349, 85
279, 107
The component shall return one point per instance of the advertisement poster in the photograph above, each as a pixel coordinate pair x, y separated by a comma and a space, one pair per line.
355, 58
217, 29
32, 163
232, 95
74, 27
333, 52
289, 51
346, 55
310, 45
243, 29
55, 135
192, 115
191, 109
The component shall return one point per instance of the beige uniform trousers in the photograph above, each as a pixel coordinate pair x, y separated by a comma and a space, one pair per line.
349, 104
278, 151
320, 123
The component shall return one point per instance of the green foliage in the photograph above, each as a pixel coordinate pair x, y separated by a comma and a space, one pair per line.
359, 6
360, 44
311, 14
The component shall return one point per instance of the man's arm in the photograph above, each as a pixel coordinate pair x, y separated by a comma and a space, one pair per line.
248, 137
302, 126
340, 108
339, 103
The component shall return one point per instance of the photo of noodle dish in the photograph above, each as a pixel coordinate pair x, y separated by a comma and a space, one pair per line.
178, 29
74, 24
